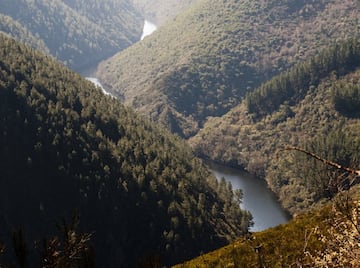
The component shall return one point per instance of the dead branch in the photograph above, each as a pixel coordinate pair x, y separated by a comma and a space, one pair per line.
327, 162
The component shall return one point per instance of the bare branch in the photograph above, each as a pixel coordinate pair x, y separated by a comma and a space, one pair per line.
327, 162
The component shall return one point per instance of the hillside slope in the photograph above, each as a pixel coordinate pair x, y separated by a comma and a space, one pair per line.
78, 33
66, 146
314, 105
325, 237
161, 11
204, 62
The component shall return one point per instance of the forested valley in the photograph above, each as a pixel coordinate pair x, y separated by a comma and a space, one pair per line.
203, 62
89, 179
314, 105
79, 33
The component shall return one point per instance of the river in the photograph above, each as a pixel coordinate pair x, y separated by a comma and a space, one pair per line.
148, 29
97, 83
258, 198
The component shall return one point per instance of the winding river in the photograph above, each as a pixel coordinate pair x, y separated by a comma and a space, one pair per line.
258, 198
148, 29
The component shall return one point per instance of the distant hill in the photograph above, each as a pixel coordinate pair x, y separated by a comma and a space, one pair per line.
314, 105
203, 63
161, 11
18, 31
65, 146
78, 33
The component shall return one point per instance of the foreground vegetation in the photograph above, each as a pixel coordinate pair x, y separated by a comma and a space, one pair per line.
325, 237
138, 190
68, 248
203, 63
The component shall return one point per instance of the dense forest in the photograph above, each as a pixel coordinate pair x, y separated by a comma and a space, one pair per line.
95, 180
78, 33
203, 62
292, 86
313, 105
137, 189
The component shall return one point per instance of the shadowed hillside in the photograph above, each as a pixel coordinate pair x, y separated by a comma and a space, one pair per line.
78, 33
138, 190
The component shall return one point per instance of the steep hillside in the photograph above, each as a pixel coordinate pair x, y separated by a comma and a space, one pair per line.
204, 62
315, 105
161, 11
66, 146
15, 29
326, 237
79, 33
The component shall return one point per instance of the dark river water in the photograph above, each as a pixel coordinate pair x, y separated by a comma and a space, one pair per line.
258, 198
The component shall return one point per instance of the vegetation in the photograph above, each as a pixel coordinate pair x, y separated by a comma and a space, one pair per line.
143, 196
292, 86
326, 237
346, 98
79, 33
161, 11
11, 27
139, 190
203, 62
72, 249
307, 116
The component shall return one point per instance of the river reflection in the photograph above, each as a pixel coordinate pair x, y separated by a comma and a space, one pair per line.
258, 198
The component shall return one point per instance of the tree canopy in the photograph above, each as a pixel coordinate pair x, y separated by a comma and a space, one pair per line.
308, 106
78, 33
138, 189
203, 62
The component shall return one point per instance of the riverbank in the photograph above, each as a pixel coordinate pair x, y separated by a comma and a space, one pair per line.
257, 197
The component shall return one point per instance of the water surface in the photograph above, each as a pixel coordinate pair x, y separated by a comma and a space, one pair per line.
148, 29
258, 198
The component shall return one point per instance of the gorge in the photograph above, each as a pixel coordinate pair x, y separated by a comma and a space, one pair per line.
258, 198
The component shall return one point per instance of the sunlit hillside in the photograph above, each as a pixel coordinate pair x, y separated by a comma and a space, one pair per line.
203, 63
